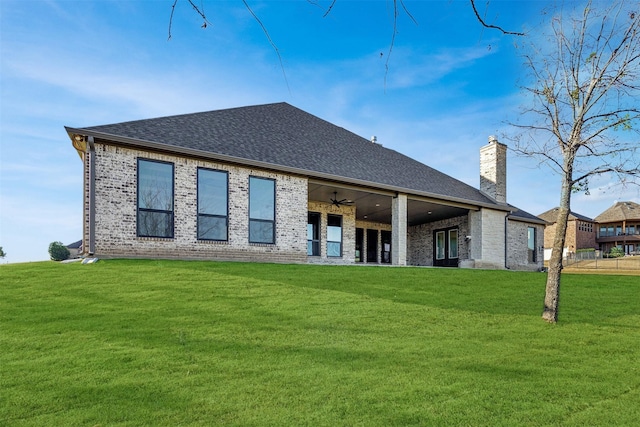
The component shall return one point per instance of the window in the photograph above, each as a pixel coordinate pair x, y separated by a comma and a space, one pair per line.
440, 245
334, 235
453, 243
313, 234
262, 210
531, 244
155, 199
212, 204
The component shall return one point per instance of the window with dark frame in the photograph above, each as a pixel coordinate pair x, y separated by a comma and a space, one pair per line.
440, 245
531, 244
334, 235
313, 234
262, 210
155, 198
453, 243
213, 206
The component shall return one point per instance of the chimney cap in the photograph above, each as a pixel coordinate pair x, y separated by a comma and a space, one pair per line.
492, 138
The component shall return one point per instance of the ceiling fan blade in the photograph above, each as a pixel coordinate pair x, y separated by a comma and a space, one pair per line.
337, 202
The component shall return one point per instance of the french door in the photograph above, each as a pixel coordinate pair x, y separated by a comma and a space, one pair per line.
445, 247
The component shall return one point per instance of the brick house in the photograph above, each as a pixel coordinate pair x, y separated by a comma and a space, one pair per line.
619, 226
581, 233
274, 183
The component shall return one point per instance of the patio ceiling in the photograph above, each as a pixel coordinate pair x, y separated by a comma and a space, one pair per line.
375, 205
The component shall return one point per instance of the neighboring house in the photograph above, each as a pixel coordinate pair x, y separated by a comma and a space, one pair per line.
581, 233
274, 183
619, 226
75, 249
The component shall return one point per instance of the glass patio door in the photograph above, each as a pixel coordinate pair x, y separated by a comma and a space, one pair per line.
445, 247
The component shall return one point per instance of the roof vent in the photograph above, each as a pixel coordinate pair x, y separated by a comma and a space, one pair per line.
374, 139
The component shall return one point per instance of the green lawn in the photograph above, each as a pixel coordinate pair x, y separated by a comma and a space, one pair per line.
127, 342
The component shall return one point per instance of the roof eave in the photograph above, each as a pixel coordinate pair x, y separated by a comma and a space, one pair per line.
135, 142
528, 220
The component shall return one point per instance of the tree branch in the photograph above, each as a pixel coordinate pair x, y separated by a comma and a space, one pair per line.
273, 45
484, 24
205, 24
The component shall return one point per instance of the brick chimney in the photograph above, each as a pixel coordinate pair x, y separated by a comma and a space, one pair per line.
493, 170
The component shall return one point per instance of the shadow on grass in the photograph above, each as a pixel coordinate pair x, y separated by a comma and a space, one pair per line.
584, 299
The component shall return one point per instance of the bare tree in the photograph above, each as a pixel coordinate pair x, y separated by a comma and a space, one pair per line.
585, 92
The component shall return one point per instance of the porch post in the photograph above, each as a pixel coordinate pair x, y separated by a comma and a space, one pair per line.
399, 230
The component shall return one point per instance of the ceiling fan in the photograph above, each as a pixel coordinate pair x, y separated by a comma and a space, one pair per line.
338, 203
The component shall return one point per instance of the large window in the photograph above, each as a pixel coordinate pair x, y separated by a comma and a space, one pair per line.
334, 235
262, 210
212, 204
440, 245
531, 244
155, 198
453, 243
313, 234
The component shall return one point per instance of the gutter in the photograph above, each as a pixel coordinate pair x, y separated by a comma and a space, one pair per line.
506, 241
92, 196
85, 146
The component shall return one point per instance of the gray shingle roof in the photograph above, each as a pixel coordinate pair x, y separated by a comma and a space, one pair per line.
520, 215
285, 136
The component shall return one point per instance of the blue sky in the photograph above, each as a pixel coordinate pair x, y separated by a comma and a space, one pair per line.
450, 84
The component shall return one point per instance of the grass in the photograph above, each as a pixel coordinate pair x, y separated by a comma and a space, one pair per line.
126, 343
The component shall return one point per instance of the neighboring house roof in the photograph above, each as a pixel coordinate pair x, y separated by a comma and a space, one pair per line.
620, 211
551, 216
283, 137
75, 245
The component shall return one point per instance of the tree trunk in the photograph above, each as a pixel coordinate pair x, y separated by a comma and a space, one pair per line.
552, 292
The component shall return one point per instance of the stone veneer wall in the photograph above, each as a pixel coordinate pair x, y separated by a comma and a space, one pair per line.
420, 240
348, 214
493, 170
517, 246
115, 223
487, 228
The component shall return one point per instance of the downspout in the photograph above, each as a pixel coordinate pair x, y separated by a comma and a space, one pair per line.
506, 224
92, 197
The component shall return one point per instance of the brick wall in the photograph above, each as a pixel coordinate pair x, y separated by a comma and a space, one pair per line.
518, 249
549, 235
585, 235
420, 240
487, 228
580, 235
115, 224
348, 214
493, 170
